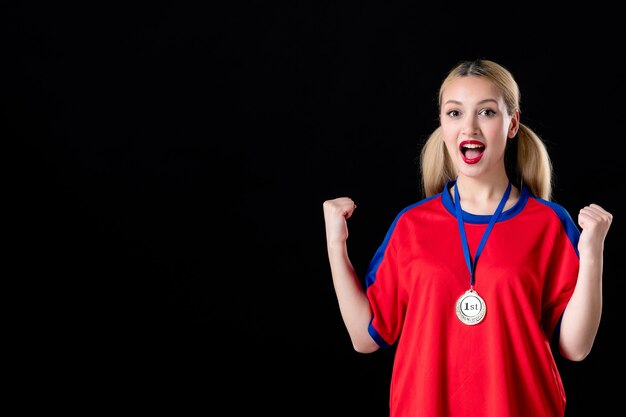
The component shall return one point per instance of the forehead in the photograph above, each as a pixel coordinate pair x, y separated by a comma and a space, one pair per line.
471, 89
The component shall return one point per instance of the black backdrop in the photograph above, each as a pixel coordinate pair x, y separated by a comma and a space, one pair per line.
171, 167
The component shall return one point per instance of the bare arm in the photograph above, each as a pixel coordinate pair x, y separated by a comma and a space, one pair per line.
353, 303
581, 318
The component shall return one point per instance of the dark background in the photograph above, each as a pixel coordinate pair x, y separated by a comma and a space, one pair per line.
170, 170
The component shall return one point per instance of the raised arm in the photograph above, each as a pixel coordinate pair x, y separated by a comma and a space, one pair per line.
353, 303
581, 318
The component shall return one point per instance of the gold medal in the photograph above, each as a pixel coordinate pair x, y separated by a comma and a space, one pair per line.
470, 308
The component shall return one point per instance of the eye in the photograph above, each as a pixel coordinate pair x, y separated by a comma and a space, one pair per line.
487, 113
453, 113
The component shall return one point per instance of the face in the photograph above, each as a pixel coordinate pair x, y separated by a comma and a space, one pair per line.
475, 126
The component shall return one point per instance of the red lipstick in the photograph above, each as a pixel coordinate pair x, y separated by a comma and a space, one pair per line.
471, 151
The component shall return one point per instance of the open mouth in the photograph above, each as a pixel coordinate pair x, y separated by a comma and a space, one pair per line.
471, 151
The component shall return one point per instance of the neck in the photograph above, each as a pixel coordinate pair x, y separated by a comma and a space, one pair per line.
480, 197
473, 188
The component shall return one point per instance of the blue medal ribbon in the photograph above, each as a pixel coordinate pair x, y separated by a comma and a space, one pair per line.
459, 215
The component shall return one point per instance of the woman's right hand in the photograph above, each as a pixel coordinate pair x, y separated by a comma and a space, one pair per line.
336, 212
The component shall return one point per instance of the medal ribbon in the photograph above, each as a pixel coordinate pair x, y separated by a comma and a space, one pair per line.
459, 215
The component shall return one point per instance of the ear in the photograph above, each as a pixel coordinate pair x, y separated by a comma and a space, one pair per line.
514, 125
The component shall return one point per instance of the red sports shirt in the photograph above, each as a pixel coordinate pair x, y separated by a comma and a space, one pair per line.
502, 366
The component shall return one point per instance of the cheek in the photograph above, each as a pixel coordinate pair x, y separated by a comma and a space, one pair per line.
450, 144
449, 136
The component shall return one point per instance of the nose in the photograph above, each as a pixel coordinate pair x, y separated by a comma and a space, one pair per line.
470, 127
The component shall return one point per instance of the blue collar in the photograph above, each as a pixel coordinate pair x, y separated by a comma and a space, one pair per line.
448, 203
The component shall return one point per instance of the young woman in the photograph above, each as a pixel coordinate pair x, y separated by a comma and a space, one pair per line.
477, 282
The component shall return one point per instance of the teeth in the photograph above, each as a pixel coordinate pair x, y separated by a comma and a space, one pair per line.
472, 146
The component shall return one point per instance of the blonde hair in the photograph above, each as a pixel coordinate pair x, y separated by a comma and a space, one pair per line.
527, 160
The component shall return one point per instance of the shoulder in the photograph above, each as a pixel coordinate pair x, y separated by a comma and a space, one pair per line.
420, 214
555, 208
555, 212
426, 204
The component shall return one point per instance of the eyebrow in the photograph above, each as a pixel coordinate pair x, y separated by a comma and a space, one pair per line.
487, 100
